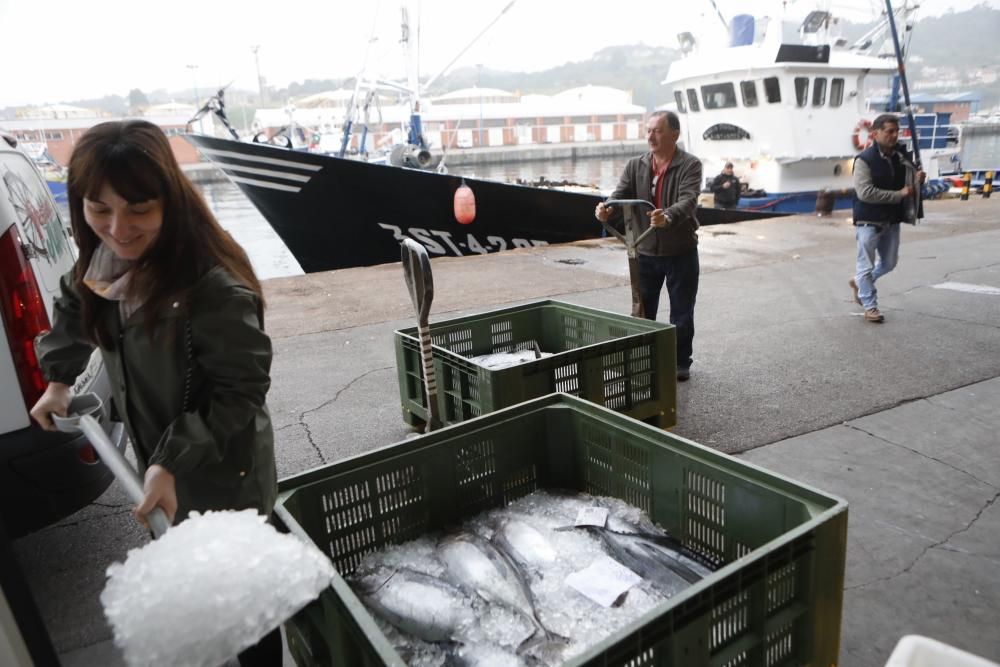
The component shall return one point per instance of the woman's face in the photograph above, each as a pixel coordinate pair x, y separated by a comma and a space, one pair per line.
128, 228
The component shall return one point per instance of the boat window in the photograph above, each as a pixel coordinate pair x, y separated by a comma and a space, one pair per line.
749, 91
836, 92
719, 96
801, 91
819, 91
772, 90
679, 98
693, 99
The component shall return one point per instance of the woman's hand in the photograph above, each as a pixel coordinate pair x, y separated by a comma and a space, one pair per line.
55, 400
161, 491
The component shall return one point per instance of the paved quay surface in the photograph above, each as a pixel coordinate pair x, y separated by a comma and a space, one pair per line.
901, 419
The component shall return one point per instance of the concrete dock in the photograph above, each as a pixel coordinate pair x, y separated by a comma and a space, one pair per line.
901, 419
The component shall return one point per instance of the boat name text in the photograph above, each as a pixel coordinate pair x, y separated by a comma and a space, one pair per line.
445, 243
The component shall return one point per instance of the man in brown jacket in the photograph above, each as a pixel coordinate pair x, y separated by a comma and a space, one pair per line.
670, 178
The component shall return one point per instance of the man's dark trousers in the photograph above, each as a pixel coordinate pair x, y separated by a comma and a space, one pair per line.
681, 275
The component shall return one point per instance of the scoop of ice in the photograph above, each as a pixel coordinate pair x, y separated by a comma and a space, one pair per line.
499, 360
210, 587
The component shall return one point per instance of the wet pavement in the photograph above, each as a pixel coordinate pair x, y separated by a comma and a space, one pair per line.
901, 418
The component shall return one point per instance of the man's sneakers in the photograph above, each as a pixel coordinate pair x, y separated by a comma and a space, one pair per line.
873, 315
683, 374
854, 288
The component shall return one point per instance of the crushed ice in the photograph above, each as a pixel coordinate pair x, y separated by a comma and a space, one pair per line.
500, 636
499, 360
208, 588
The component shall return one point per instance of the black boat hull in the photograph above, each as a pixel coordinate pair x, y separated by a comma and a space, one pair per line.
335, 213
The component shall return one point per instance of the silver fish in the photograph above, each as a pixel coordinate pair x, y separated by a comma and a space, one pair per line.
525, 545
657, 557
424, 606
477, 565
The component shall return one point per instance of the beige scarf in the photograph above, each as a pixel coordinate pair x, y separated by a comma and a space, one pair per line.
108, 277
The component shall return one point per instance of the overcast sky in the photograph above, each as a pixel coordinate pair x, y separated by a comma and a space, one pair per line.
55, 50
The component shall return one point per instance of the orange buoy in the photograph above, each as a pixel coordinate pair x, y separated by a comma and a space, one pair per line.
862, 136
465, 204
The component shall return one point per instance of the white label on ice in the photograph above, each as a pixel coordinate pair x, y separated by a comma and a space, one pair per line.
592, 516
604, 581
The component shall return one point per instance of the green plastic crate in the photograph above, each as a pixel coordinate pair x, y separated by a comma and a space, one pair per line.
775, 602
623, 363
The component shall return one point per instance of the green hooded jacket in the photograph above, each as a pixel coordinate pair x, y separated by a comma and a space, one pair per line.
193, 396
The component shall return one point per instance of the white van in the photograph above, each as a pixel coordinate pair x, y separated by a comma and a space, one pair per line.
44, 476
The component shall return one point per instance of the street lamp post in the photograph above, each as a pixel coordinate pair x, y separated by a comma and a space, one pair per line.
197, 96
260, 80
479, 81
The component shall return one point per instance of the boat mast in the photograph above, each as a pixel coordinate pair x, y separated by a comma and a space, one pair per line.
353, 104
902, 80
411, 45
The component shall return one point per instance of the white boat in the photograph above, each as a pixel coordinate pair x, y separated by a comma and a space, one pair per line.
792, 115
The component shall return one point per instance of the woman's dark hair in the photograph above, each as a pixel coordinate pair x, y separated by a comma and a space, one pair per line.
134, 158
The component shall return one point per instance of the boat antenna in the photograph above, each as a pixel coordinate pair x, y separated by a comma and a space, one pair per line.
722, 18
902, 81
469, 45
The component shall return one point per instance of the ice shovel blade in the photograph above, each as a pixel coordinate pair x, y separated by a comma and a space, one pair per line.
420, 282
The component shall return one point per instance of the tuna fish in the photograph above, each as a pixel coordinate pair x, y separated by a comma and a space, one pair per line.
527, 547
424, 606
655, 556
479, 566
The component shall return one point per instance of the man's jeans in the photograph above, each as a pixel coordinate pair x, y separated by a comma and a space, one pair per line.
681, 275
878, 253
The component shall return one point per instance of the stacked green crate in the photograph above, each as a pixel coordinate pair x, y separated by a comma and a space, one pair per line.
621, 362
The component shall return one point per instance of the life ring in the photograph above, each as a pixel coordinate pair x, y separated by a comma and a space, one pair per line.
862, 136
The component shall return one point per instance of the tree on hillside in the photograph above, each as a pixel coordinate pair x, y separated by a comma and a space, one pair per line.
137, 99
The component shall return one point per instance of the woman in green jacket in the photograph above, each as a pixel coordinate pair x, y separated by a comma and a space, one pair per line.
174, 305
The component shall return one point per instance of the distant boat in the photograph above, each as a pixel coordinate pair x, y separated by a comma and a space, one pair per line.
54, 173
791, 117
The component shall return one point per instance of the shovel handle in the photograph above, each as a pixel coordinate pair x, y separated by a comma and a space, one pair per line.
430, 378
122, 470
420, 282
629, 202
624, 238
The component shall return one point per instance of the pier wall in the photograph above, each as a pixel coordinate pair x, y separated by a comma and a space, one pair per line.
205, 172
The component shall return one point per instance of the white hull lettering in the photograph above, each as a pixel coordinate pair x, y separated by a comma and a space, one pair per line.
449, 245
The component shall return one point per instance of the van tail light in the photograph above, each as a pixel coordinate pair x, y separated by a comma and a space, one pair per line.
87, 454
24, 315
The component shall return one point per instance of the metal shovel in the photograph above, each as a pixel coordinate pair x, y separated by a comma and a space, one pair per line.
81, 419
420, 282
631, 246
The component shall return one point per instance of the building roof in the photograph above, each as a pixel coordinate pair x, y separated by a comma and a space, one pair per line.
475, 93
595, 94
170, 109
54, 111
33, 124
327, 98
